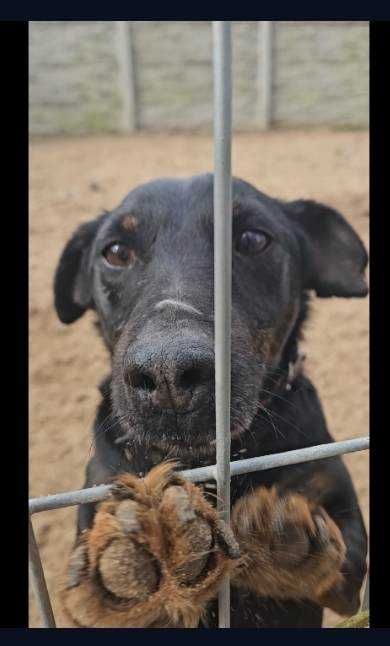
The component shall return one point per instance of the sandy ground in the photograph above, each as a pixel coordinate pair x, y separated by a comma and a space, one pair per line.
72, 180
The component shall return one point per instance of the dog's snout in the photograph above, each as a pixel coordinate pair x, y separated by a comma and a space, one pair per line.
198, 373
178, 376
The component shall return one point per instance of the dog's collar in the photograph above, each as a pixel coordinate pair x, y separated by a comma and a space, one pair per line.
288, 376
294, 369
284, 383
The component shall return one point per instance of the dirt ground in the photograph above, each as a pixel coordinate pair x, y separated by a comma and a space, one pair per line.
71, 181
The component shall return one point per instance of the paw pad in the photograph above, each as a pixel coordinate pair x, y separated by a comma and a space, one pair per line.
156, 553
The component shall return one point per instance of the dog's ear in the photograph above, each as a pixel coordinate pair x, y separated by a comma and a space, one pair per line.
72, 281
334, 255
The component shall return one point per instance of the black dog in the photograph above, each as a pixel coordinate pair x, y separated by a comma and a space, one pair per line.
146, 268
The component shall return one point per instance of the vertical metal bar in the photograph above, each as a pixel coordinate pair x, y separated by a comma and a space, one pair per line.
38, 581
264, 81
222, 59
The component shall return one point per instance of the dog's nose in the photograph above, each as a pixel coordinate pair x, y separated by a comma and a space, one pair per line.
177, 376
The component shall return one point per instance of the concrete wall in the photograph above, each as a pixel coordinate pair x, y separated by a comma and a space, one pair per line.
84, 78
73, 77
321, 73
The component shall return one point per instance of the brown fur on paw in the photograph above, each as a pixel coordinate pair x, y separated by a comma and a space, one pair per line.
291, 548
154, 556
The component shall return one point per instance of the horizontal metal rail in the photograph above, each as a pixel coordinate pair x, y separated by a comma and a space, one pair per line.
238, 467
102, 492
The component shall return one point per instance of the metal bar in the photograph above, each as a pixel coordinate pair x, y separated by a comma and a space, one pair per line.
297, 456
222, 61
38, 580
69, 498
264, 81
239, 467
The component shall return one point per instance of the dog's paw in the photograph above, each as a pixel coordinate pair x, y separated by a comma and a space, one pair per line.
155, 555
291, 548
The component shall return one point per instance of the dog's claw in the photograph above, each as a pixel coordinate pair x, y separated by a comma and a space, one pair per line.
77, 567
226, 540
126, 513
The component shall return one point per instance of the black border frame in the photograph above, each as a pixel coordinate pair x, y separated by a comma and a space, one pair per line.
14, 82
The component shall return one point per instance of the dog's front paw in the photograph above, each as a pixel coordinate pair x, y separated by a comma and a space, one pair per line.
291, 548
155, 555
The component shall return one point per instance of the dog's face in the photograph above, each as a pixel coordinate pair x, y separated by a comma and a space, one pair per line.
146, 268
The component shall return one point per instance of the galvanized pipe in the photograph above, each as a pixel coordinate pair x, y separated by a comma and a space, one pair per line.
222, 60
38, 580
69, 498
239, 467
297, 456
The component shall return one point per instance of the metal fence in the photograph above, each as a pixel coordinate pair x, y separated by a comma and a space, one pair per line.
223, 470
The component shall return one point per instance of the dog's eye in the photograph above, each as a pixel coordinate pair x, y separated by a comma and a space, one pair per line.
252, 241
119, 255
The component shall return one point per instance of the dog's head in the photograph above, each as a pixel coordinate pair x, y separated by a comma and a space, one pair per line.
146, 268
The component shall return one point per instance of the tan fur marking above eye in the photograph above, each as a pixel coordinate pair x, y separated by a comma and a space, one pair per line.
129, 223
